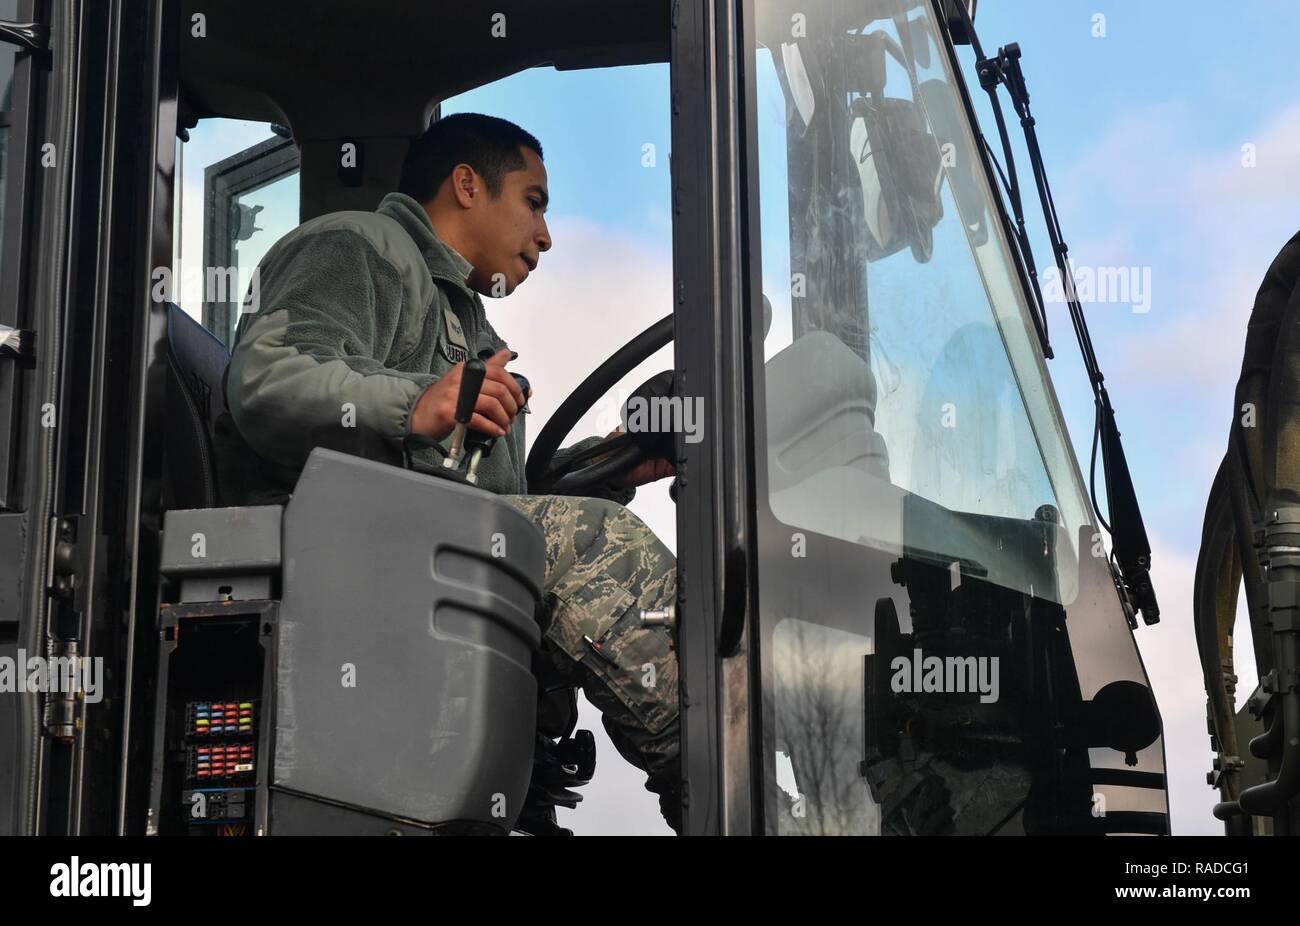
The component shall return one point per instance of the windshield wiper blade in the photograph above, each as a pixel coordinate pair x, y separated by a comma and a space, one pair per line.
1132, 550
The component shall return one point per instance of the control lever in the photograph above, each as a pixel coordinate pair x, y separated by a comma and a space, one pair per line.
471, 381
479, 445
465, 441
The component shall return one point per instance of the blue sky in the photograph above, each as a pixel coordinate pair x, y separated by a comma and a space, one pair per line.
1142, 130
594, 127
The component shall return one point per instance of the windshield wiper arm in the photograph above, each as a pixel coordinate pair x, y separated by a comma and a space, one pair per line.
1132, 550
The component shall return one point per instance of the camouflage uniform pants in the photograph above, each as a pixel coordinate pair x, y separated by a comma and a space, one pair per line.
603, 566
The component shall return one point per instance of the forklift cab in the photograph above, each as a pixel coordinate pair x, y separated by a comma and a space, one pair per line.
896, 613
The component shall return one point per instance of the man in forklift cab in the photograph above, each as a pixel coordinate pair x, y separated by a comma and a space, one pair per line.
365, 322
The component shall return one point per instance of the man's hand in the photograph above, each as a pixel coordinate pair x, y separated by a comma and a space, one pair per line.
649, 471
499, 401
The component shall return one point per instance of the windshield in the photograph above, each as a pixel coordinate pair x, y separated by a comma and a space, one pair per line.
926, 528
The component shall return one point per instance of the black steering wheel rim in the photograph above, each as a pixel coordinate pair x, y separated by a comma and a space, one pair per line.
538, 471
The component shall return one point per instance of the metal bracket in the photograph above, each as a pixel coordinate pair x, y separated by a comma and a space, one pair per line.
68, 566
60, 715
661, 617
28, 36
65, 582
17, 342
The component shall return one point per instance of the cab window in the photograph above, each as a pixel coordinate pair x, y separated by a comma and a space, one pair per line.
237, 195
919, 505
607, 277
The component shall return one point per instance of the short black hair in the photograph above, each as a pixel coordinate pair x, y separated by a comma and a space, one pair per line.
489, 145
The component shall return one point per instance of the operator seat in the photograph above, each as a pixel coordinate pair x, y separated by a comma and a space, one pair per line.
457, 684
195, 399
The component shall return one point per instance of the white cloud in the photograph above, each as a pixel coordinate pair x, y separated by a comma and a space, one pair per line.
1209, 225
594, 291
1225, 179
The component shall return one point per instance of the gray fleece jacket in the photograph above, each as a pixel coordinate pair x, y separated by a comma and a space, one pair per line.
359, 313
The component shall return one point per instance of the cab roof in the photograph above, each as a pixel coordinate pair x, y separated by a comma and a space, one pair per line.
333, 68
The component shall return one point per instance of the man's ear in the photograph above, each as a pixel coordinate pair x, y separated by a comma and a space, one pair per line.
466, 185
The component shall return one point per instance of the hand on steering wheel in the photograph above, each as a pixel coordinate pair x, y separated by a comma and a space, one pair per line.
652, 470
618, 459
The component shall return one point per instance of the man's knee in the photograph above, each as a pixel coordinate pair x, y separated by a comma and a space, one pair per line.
568, 523
604, 566
585, 532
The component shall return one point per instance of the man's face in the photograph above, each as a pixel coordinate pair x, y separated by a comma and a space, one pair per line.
509, 231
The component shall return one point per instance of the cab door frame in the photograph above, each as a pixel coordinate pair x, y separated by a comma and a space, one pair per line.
29, 287
713, 304
82, 271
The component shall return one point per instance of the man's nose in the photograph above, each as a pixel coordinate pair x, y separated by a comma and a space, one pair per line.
543, 237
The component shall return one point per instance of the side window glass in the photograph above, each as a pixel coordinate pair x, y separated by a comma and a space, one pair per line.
237, 194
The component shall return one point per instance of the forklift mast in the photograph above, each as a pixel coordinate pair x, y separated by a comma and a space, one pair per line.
1250, 539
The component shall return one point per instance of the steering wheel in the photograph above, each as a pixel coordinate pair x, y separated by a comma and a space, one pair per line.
625, 453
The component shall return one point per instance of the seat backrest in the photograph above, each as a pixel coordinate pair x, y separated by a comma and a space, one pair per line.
196, 365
